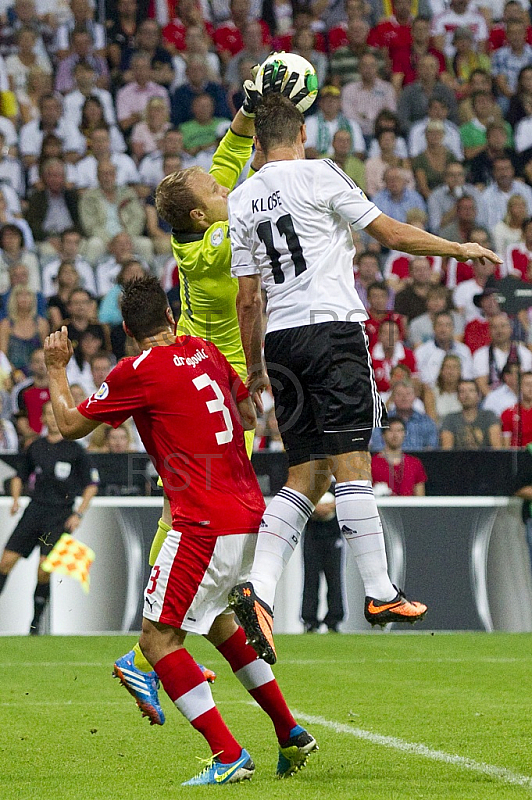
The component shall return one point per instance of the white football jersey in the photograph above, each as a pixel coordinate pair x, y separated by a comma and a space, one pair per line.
291, 223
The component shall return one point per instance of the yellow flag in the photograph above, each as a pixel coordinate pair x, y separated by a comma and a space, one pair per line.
70, 557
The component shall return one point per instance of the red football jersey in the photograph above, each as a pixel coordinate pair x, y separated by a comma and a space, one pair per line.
518, 421
389, 34
182, 399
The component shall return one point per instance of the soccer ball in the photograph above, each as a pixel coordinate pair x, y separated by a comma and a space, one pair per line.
295, 65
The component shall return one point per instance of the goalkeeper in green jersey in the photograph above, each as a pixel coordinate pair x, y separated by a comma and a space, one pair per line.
194, 203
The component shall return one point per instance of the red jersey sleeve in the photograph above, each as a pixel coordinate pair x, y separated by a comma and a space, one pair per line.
118, 397
507, 420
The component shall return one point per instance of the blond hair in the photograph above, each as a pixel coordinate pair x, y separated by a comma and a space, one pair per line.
175, 199
12, 310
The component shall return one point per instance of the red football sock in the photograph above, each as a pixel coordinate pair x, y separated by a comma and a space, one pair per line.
257, 677
186, 687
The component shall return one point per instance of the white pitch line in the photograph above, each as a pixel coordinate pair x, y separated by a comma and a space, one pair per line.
502, 774
301, 661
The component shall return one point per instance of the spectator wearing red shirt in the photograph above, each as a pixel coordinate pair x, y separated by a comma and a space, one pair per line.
302, 19
517, 421
405, 61
379, 312
388, 352
337, 36
519, 256
30, 395
188, 13
513, 12
395, 32
477, 331
404, 475
228, 36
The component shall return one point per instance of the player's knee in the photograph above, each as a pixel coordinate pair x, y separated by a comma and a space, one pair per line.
8, 561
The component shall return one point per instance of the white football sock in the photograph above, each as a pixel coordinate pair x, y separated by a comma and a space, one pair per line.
361, 525
279, 533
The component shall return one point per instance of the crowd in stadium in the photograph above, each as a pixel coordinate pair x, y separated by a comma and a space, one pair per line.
427, 105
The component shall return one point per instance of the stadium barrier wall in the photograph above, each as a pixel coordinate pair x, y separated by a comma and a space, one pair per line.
466, 557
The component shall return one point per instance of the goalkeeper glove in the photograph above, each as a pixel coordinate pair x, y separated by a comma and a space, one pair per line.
251, 94
272, 81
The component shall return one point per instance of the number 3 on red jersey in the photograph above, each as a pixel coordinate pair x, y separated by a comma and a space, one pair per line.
213, 406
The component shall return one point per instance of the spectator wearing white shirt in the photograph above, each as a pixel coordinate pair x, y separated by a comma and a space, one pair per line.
52, 147
489, 361
430, 355
495, 197
9, 132
197, 43
12, 252
509, 231
92, 117
465, 292
12, 201
322, 126
363, 100
51, 121
85, 78
505, 395
437, 110
87, 168
70, 242
508, 61
11, 173
523, 129
151, 167
459, 15
19, 64
82, 18
119, 250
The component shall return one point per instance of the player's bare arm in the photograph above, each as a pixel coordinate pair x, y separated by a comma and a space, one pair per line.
248, 415
407, 239
249, 311
57, 353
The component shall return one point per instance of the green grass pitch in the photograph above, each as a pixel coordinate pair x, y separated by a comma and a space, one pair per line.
397, 717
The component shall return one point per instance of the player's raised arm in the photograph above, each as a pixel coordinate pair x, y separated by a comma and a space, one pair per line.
408, 239
57, 353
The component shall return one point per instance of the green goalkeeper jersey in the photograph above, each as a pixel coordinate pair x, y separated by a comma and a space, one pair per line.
208, 292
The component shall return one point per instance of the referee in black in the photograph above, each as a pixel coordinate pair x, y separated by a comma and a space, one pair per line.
59, 470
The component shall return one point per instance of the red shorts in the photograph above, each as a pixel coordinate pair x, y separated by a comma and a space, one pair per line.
192, 577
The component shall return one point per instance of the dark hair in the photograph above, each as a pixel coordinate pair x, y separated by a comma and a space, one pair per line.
380, 285
526, 222
144, 304
84, 125
392, 420
469, 380
68, 232
388, 115
12, 229
277, 122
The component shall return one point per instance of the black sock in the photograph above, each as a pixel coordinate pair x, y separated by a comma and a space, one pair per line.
3, 579
40, 598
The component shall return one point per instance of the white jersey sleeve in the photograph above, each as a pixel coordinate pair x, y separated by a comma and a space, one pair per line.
338, 193
242, 262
